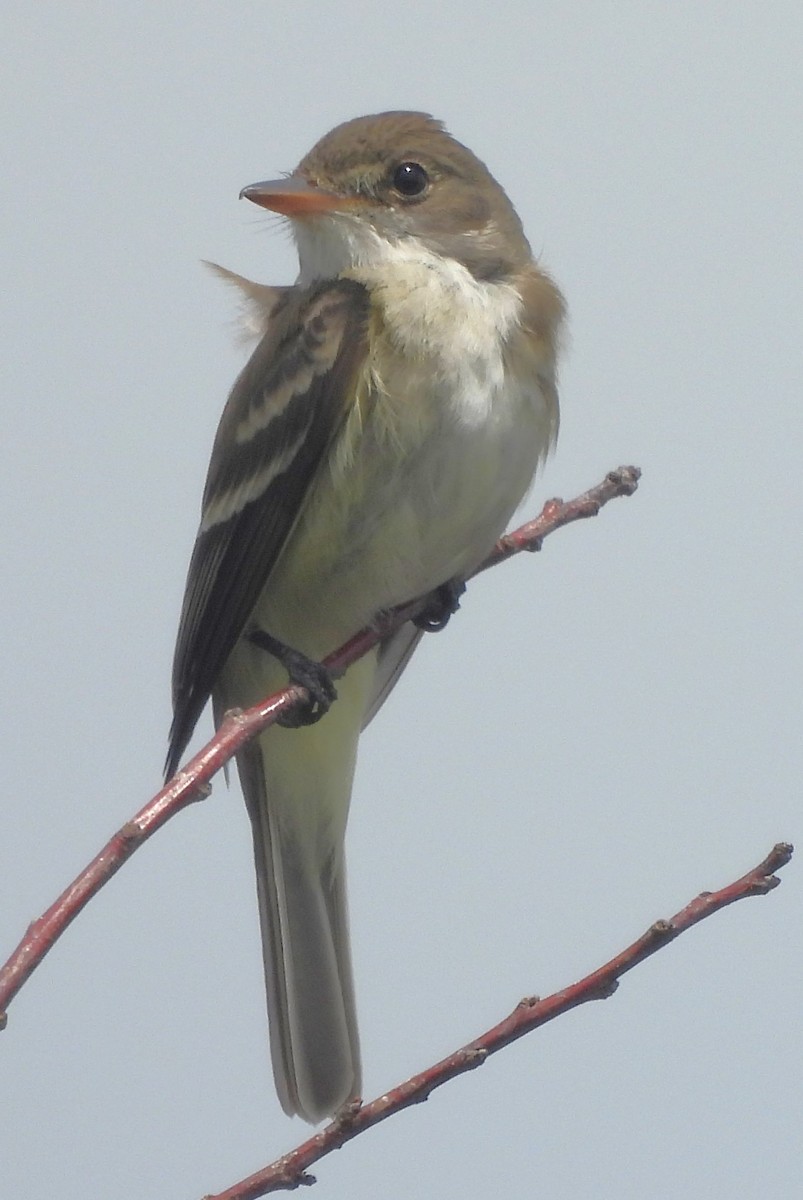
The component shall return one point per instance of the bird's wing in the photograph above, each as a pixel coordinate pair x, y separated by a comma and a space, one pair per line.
280, 419
394, 654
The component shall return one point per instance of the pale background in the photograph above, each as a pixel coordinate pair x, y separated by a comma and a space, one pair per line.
605, 730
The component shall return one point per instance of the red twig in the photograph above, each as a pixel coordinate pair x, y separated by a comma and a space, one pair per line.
191, 783
289, 1171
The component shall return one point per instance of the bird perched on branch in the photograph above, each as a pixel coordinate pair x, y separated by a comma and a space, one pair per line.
387, 425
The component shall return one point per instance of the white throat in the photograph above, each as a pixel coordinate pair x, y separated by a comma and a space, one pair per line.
330, 245
432, 306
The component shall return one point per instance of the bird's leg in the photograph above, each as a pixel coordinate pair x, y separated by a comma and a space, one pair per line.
302, 671
444, 601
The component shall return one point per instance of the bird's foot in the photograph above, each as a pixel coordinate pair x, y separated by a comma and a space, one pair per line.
305, 672
444, 601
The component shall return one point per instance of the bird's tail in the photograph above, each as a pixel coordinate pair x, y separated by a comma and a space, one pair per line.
297, 784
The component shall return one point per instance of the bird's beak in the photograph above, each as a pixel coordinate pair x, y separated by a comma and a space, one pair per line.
295, 197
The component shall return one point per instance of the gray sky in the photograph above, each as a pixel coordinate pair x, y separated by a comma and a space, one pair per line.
606, 730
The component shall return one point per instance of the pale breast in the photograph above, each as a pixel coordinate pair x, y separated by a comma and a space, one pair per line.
457, 408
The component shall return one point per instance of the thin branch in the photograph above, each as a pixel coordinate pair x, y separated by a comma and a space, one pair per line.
191, 783
290, 1171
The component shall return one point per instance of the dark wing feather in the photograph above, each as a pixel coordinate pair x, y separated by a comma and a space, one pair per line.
279, 421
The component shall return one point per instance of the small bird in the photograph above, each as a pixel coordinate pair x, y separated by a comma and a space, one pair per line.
389, 422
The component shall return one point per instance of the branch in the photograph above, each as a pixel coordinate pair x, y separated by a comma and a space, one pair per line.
289, 1171
191, 783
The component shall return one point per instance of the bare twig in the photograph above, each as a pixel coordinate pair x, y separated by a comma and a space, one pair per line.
191, 783
290, 1171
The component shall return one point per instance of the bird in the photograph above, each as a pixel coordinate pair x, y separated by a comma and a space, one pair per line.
399, 400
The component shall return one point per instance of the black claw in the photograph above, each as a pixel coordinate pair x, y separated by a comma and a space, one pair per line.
444, 601
302, 671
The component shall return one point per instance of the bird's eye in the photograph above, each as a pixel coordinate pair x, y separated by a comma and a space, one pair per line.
410, 179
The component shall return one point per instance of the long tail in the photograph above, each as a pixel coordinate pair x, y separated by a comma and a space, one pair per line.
297, 785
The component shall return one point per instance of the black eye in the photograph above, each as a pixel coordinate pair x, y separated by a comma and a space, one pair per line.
410, 179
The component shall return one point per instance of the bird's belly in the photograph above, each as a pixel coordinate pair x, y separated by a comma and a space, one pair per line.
406, 513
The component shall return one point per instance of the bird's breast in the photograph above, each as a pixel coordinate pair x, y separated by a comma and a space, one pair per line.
451, 421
